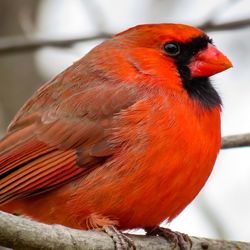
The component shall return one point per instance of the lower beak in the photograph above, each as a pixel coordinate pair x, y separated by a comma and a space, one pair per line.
208, 62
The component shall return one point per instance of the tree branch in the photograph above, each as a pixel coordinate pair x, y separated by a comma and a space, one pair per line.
233, 141
212, 26
22, 44
21, 233
210, 23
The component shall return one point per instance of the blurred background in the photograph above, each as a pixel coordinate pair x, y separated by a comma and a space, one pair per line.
222, 209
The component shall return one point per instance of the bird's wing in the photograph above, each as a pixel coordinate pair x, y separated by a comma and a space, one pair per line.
49, 145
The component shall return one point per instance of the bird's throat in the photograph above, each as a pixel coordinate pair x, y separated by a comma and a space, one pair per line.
199, 89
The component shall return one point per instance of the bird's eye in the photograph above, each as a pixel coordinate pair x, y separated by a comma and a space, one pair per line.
172, 49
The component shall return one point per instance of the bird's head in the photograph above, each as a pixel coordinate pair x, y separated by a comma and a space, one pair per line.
182, 56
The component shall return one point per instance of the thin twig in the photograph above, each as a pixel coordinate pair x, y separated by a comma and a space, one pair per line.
22, 44
96, 14
233, 141
21, 233
212, 217
237, 24
210, 23
216, 12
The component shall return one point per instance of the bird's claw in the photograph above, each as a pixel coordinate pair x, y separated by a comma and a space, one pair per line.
182, 240
122, 241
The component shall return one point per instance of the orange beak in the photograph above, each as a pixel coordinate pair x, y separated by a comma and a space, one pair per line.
208, 62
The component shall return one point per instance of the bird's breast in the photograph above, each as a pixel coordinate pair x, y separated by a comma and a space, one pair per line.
167, 153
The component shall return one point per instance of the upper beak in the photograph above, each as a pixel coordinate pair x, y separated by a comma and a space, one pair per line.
208, 62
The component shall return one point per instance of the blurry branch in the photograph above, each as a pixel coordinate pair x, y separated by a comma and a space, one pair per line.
212, 217
237, 24
210, 23
215, 12
25, 20
95, 14
20, 233
233, 141
22, 44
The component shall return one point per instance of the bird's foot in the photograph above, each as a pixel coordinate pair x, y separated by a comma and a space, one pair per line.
122, 241
182, 240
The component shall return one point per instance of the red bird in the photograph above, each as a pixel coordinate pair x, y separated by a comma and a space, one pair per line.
124, 138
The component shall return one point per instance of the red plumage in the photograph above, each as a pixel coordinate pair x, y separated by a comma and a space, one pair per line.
118, 138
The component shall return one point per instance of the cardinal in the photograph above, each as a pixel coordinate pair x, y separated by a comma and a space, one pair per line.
124, 138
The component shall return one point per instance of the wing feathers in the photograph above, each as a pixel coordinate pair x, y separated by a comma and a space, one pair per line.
47, 168
53, 141
21, 154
